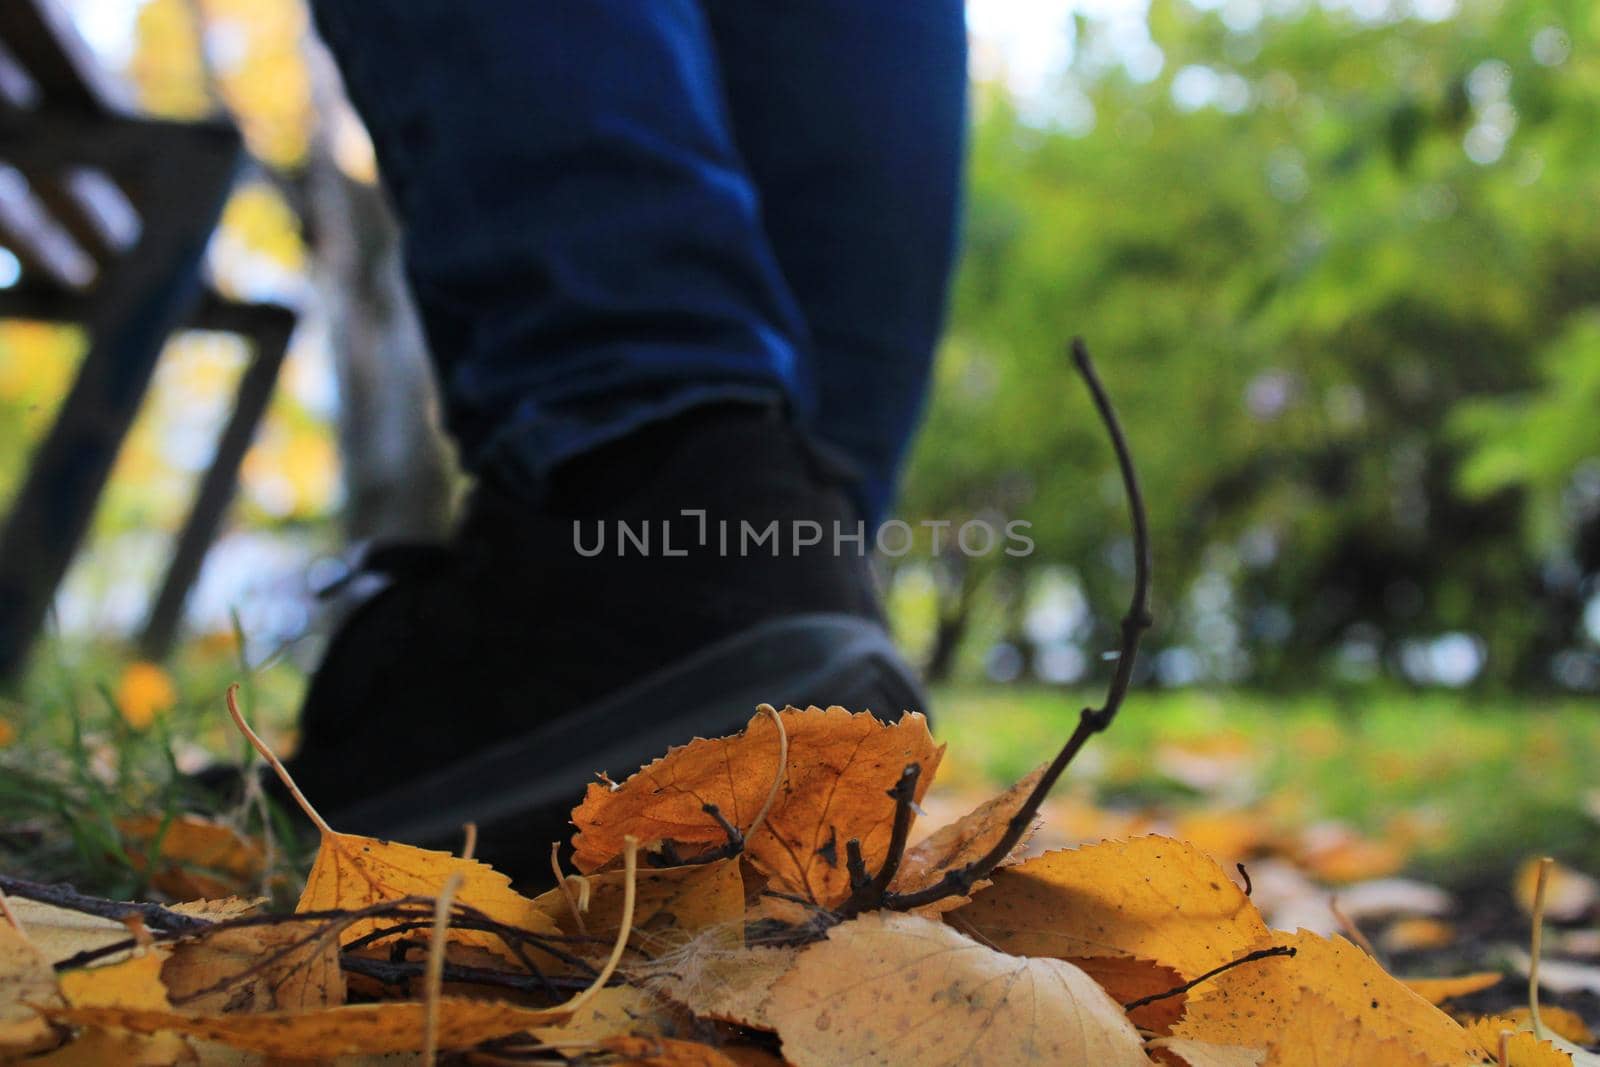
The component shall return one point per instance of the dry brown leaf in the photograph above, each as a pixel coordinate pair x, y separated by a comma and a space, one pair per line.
840, 767
671, 906
1557, 1020
281, 967
197, 859
1522, 1048
133, 984
1253, 1004
352, 872
1187, 1052
1439, 990
1128, 979
899, 989
967, 839
392, 1026
730, 986
1151, 897
26, 979
1316, 1033
664, 1052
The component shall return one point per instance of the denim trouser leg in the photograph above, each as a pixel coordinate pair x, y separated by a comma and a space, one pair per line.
850, 116
582, 203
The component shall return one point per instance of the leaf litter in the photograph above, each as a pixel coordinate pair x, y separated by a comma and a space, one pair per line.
754, 899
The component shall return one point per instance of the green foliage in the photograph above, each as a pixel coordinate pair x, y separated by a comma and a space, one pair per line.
1344, 303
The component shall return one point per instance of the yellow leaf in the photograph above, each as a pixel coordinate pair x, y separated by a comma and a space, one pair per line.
283, 966
1253, 1004
835, 785
1315, 1033
1568, 894
1152, 898
26, 979
1522, 1048
1418, 934
964, 841
143, 692
59, 933
899, 989
1439, 990
1557, 1020
615, 1012
134, 984
353, 872
392, 1026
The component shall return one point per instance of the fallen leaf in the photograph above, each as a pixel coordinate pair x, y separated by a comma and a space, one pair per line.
671, 905
664, 1052
1152, 898
1127, 979
283, 966
618, 1011
1568, 894
900, 989
1522, 1048
352, 872
26, 979
1225, 836
134, 984
1332, 852
834, 789
392, 1026
1558, 1020
199, 858
714, 983
1316, 1033
1418, 935
967, 839
1439, 990
1253, 1004
1187, 1052
59, 934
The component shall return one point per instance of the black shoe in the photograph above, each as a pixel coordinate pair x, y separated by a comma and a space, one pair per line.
495, 676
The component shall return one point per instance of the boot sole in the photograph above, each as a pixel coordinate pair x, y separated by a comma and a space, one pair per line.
530, 783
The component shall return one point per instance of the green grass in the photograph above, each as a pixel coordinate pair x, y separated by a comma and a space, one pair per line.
1494, 781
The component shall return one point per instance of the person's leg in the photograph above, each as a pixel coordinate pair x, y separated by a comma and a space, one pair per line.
584, 245
851, 118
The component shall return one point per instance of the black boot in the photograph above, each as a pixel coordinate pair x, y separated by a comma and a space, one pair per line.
495, 676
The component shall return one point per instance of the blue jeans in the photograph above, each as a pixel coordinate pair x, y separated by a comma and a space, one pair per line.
617, 210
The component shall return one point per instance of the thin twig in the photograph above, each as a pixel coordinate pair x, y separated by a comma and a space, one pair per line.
630, 887
959, 881
1535, 946
566, 890
779, 777
870, 893
390, 972
1245, 874
433, 977
1249, 957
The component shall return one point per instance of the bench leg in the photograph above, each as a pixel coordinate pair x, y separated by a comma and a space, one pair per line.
140, 302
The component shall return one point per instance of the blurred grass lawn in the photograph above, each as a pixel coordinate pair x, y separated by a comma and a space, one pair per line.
1497, 780
1469, 786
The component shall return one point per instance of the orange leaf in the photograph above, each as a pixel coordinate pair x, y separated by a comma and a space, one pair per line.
284, 966
1152, 898
1127, 979
664, 1052
201, 858
899, 989
840, 768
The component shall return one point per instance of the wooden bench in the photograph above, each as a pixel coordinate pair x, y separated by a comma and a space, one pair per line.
109, 213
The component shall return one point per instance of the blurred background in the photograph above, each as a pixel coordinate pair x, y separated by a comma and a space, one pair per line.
1339, 263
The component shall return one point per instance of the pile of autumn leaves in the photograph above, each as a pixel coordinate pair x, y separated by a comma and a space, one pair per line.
738, 959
